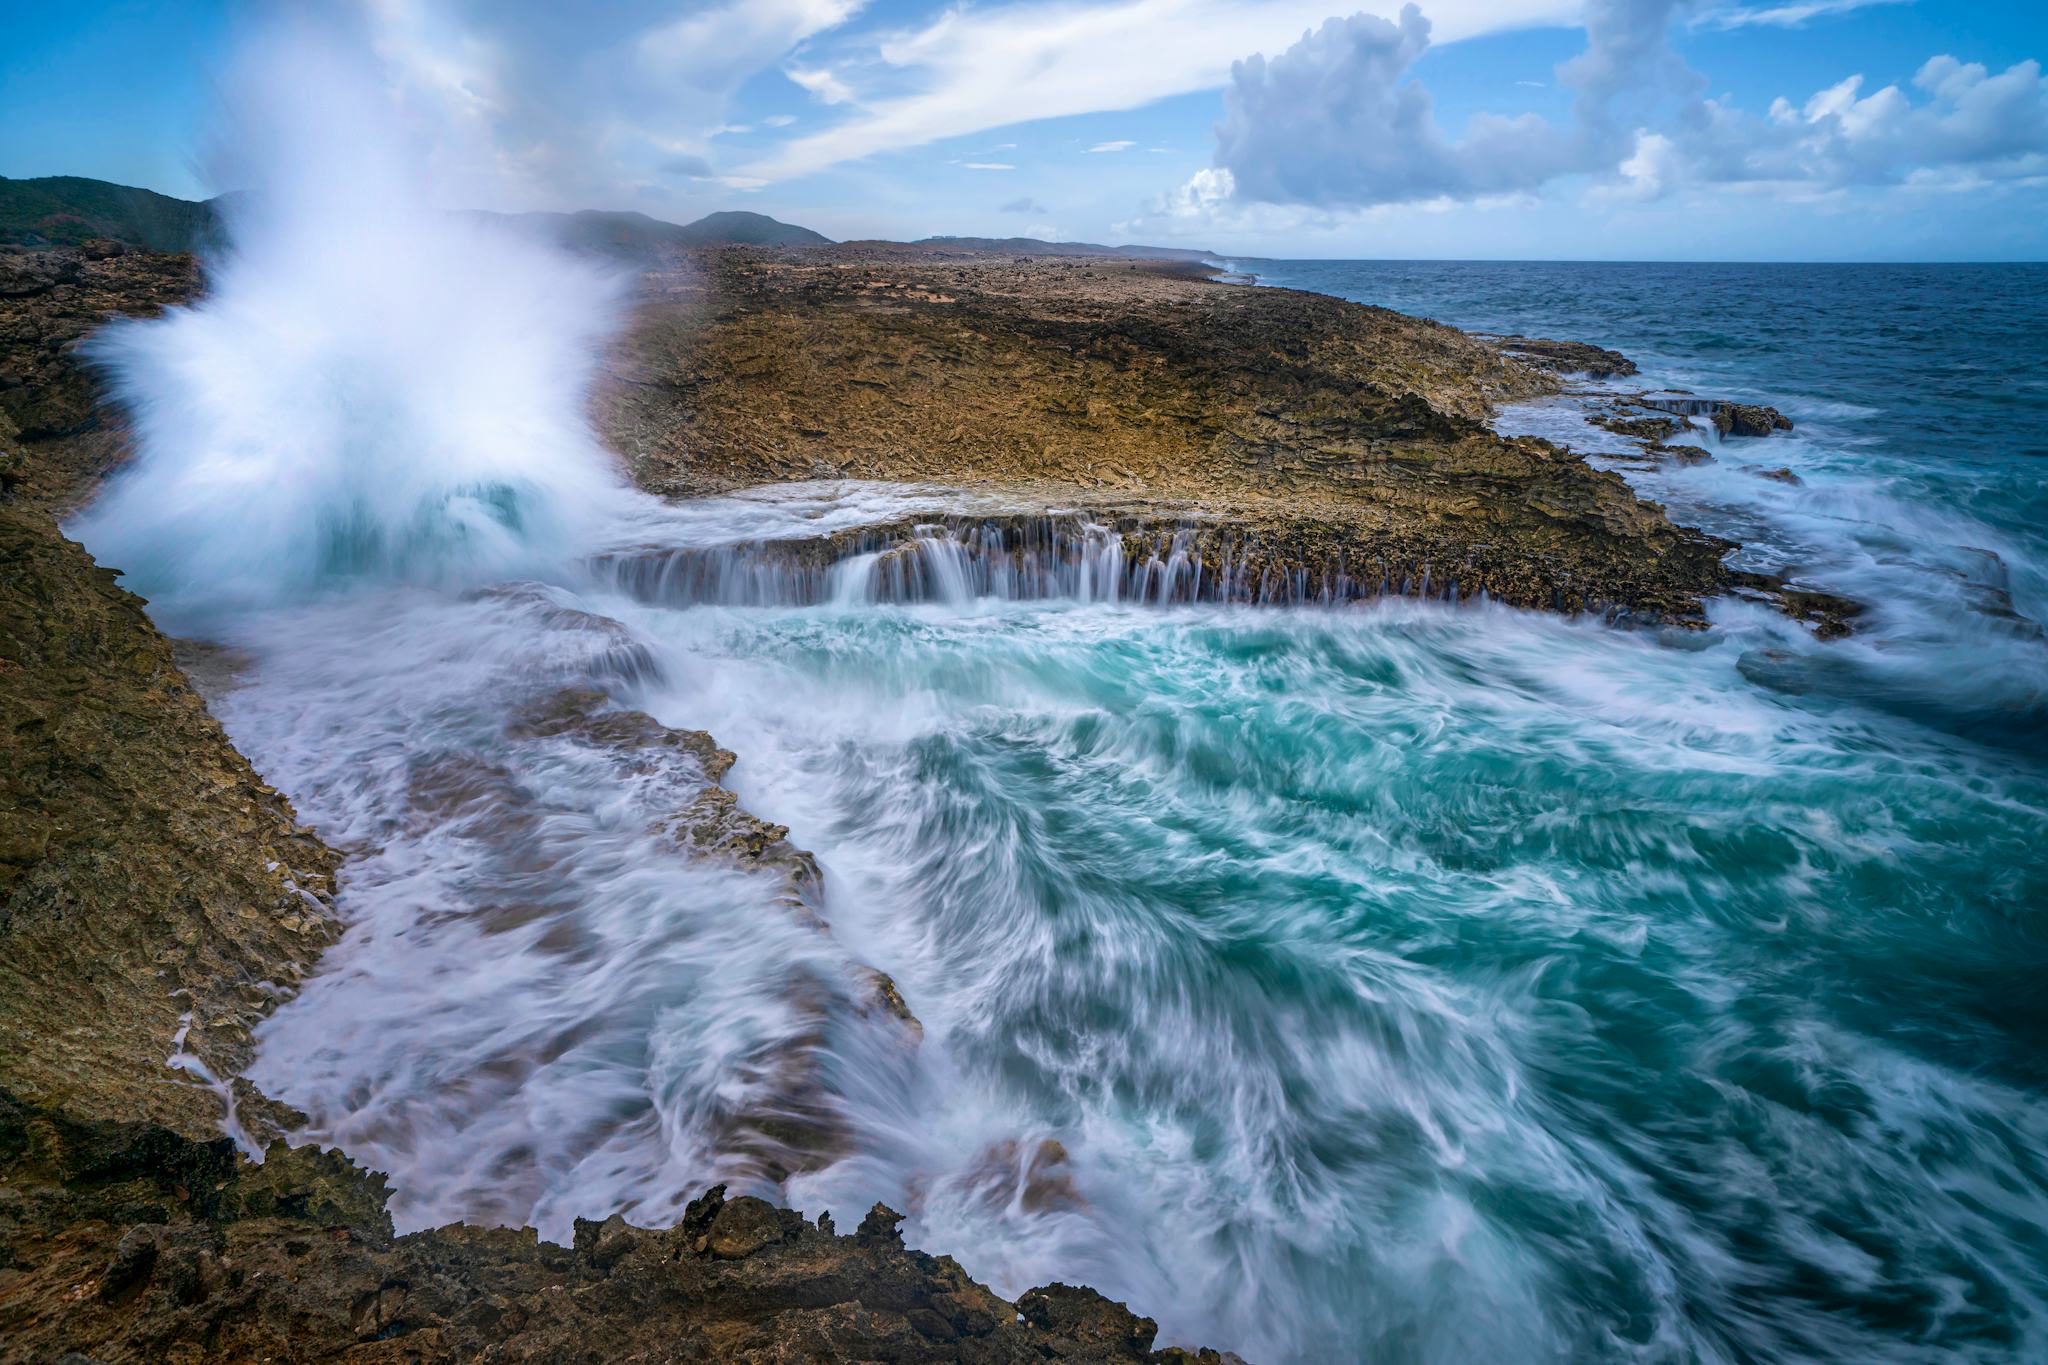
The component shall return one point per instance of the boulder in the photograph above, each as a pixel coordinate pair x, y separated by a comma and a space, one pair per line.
1749, 419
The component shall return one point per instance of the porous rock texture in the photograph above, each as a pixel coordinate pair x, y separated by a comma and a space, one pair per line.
127, 1242
155, 894
1332, 432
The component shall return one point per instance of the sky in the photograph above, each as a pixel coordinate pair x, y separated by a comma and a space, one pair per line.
1503, 129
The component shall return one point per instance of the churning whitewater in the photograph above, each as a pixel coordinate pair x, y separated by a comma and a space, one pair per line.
1402, 981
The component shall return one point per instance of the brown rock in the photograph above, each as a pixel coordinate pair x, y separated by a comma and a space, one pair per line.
1746, 419
745, 1225
879, 1228
1086, 1317
1566, 357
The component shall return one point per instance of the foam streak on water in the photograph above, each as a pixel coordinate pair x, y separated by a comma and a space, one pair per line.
1404, 982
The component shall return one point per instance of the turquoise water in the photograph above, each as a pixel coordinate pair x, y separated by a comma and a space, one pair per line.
1416, 984
1398, 983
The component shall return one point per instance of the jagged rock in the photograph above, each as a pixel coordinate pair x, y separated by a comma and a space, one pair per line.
1566, 357
237, 1269
1748, 419
22, 276
1830, 614
1638, 427
1087, 1318
1323, 436
879, 1227
149, 881
1687, 455
746, 1225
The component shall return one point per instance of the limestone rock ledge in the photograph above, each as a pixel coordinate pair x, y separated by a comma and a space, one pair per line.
125, 1242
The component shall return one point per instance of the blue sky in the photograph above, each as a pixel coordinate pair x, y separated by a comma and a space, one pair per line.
1637, 129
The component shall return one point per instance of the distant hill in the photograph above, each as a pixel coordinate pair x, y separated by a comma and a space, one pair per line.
629, 234
65, 210
1032, 246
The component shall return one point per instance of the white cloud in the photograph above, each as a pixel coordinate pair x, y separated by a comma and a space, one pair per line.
823, 86
975, 68
1124, 145
988, 165
722, 45
1205, 191
1967, 124
1330, 122
778, 120
1793, 15
1335, 123
1648, 172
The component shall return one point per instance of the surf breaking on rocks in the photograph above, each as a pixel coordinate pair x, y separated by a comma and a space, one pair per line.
1399, 983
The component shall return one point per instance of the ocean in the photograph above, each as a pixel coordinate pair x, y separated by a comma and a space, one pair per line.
1399, 983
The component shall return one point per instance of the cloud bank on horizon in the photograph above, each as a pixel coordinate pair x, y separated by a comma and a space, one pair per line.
1336, 121
1324, 127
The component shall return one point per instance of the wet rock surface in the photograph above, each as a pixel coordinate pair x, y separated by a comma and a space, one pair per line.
1748, 419
1566, 357
127, 1242
1350, 432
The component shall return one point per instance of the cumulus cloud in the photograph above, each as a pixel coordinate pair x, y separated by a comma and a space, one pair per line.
1964, 124
1330, 122
1335, 122
1650, 171
1204, 192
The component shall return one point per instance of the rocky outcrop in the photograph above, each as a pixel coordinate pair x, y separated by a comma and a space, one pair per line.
1748, 419
1637, 426
1353, 433
1566, 357
49, 302
127, 1242
156, 897
1149, 553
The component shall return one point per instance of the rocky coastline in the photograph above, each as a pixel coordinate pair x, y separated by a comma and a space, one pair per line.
157, 898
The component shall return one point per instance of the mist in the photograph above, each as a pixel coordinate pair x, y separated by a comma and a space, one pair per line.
370, 387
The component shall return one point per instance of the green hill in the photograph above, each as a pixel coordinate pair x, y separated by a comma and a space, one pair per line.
65, 210
625, 233
1034, 246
